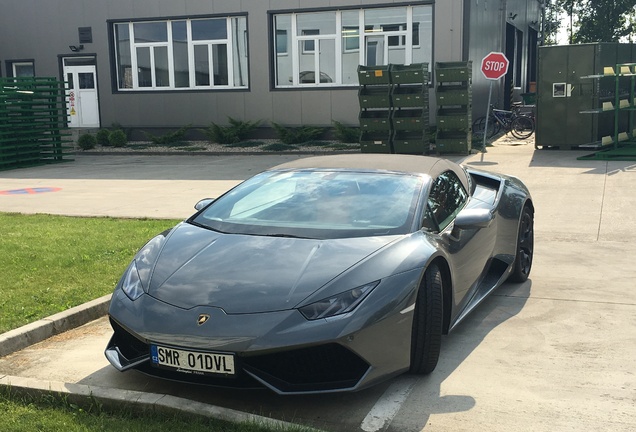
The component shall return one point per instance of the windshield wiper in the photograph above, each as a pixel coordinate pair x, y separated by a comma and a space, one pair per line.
285, 236
207, 227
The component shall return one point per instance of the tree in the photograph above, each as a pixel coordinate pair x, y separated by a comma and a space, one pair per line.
551, 22
604, 20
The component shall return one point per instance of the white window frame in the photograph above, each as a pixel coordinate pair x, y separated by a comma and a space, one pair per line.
22, 63
228, 42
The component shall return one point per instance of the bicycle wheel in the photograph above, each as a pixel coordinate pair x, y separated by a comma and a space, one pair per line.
479, 126
522, 127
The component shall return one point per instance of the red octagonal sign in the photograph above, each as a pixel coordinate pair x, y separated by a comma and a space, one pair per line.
494, 65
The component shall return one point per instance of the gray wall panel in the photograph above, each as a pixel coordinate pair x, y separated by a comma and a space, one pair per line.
46, 34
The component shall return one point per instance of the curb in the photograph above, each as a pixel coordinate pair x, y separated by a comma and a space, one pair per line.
114, 399
22, 337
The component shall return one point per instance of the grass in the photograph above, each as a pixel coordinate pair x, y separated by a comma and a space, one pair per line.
51, 263
53, 412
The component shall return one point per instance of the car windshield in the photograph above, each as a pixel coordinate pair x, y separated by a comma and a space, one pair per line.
317, 204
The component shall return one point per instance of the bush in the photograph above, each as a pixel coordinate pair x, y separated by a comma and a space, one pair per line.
102, 137
236, 131
86, 142
170, 137
117, 138
297, 135
346, 134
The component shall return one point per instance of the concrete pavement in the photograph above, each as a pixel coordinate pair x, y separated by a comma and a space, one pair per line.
556, 353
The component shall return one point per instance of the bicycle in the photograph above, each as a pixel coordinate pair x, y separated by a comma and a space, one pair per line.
521, 126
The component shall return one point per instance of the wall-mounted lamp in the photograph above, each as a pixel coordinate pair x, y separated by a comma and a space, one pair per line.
512, 16
76, 48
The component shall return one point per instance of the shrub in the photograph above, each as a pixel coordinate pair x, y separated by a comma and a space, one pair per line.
297, 135
236, 131
86, 142
170, 137
346, 134
127, 131
117, 138
102, 137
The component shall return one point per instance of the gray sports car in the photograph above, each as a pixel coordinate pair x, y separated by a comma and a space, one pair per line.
325, 274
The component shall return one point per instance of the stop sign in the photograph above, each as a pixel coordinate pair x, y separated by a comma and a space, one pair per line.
494, 65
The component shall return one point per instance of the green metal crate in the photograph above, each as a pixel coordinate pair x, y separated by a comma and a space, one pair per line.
375, 142
454, 119
453, 142
379, 120
453, 95
408, 142
409, 96
453, 71
374, 75
416, 73
375, 97
410, 119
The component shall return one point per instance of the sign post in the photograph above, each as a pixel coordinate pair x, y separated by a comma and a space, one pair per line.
493, 67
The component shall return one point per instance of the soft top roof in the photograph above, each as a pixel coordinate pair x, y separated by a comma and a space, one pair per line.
388, 162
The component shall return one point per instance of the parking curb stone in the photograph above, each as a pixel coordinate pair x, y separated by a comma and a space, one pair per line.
30, 334
115, 398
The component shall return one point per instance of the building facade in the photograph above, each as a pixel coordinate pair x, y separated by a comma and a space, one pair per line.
168, 63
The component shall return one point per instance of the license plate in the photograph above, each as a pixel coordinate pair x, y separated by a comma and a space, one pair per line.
200, 363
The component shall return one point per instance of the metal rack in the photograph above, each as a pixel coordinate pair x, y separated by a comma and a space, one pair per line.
32, 122
622, 144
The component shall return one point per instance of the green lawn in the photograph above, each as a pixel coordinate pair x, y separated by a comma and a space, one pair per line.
51, 263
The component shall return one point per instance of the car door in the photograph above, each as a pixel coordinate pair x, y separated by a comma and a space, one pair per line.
468, 249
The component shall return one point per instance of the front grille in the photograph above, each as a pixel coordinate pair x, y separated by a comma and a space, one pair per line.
324, 367
128, 345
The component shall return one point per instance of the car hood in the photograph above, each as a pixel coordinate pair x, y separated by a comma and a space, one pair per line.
247, 274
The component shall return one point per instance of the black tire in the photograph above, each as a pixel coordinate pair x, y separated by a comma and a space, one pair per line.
525, 247
522, 127
426, 337
479, 127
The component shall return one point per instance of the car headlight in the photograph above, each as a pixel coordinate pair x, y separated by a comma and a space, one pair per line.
131, 283
338, 304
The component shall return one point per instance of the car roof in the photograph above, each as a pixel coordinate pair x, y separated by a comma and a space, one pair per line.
431, 166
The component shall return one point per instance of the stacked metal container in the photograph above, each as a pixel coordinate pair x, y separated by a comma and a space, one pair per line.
454, 107
374, 96
409, 115
394, 108
32, 122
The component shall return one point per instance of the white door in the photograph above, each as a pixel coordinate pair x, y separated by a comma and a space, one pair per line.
82, 99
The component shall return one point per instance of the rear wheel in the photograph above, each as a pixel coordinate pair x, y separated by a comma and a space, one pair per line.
522, 127
426, 338
525, 247
479, 127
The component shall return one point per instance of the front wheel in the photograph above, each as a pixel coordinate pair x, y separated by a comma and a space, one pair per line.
522, 127
525, 247
426, 337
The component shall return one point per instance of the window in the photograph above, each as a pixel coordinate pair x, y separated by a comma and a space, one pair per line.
324, 48
309, 45
281, 42
202, 53
20, 68
446, 199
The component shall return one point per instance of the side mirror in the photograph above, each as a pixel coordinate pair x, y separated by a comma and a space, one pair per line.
474, 218
203, 203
